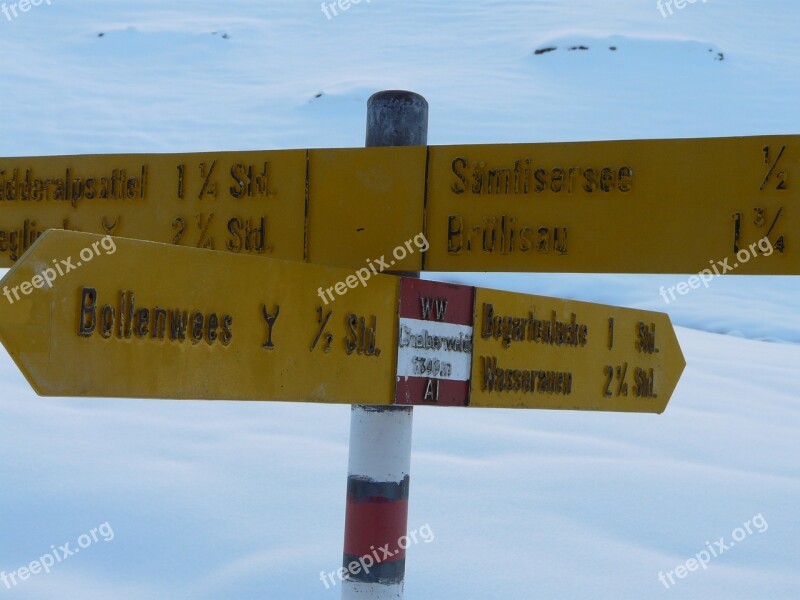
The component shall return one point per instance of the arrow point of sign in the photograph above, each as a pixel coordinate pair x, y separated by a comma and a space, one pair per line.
674, 364
24, 308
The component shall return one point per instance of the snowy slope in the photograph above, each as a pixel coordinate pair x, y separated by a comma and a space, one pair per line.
247, 500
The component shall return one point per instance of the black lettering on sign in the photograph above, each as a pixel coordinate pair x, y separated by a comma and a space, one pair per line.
197, 327
181, 174
72, 187
503, 234
646, 338
248, 181
88, 314
125, 321
322, 321
211, 328
526, 381
159, 323
178, 324
247, 235
774, 169
227, 330
107, 321
551, 331
203, 224
610, 333
179, 225
209, 187
361, 338
16, 240
143, 319
762, 217
270, 319
457, 167
525, 177
621, 387
645, 383
455, 225
110, 228
609, 373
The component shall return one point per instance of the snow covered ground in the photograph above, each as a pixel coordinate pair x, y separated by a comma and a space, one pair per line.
235, 500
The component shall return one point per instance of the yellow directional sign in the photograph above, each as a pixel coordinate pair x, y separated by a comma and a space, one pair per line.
723, 205
537, 352
647, 206
256, 203
130, 318
89, 315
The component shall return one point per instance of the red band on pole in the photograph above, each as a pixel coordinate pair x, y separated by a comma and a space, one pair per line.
375, 524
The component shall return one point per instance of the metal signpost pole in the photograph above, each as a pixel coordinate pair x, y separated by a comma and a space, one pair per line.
380, 436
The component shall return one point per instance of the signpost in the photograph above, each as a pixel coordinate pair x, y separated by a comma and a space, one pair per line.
643, 206
89, 311
379, 461
147, 320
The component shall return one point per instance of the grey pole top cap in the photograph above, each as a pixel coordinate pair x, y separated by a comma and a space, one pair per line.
397, 118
